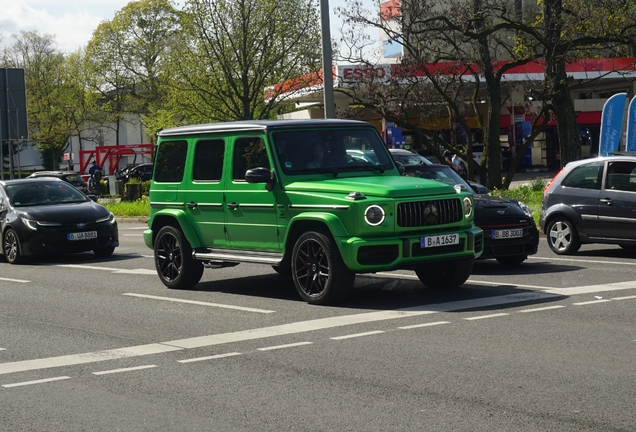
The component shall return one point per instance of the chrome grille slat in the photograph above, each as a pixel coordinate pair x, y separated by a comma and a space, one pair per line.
411, 214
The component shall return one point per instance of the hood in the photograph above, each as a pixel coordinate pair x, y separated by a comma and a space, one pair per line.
378, 186
65, 213
491, 207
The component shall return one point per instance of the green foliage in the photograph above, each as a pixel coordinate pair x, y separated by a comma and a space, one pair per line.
138, 208
530, 194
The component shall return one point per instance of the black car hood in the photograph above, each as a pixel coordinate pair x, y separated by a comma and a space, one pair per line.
487, 206
73, 212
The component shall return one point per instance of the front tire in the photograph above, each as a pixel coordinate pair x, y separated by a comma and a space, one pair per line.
562, 236
175, 265
319, 273
11, 247
448, 275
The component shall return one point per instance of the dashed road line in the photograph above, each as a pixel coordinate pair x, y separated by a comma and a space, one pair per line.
591, 302
200, 303
277, 347
14, 280
582, 260
430, 324
486, 316
541, 309
26, 383
212, 357
356, 335
624, 298
136, 368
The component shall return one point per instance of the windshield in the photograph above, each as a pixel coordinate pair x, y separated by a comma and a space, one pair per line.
441, 173
43, 193
331, 151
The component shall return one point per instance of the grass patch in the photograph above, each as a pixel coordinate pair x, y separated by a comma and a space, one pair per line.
138, 208
530, 195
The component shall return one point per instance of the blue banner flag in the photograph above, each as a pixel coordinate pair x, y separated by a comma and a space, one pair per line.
612, 123
631, 126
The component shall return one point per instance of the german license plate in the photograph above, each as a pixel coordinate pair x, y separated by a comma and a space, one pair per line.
507, 234
439, 240
86, 235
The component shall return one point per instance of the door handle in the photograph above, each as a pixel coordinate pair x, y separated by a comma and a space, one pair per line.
232, 205
607, 201
191, 205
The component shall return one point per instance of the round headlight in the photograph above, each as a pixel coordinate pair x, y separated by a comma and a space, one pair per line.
468, 207
374, 215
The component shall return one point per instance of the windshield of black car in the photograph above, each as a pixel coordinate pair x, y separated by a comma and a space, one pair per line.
25, 194
331, 150
442, 174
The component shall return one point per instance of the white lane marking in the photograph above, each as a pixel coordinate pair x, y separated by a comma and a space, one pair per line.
291, 345
3, 349
355, 335
542, 309
589, 289
110, 269
424, 325
486, 316
213, 357
25, 383
112, 371
91, 357
14, 280
265, 332
583, 260
591, 302
624, 298
479, 282
176, 300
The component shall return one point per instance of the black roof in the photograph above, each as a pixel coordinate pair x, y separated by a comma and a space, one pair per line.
247, 125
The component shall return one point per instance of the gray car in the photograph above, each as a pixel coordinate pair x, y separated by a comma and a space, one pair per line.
591, 201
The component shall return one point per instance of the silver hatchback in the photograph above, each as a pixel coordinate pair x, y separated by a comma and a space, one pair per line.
591, 201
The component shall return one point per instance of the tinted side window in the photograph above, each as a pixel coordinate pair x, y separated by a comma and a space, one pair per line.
621, 176
585, 177
3, 201
208, 160
170, 161
249, 152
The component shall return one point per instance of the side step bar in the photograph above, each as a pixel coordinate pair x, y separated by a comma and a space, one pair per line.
270, 258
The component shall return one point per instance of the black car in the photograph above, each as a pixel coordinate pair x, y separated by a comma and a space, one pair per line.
510, 233
49, 216
141, 172
68, 176
591, 201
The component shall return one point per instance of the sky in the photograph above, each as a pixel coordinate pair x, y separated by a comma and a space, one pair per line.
72, 22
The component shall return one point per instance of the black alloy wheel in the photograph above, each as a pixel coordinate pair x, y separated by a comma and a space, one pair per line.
320, 275
104, 252
511, 260
175, 265
11, 247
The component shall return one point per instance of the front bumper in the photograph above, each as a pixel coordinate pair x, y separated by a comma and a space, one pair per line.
383, 254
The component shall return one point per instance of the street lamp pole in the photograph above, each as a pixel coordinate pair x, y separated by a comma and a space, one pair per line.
327, 75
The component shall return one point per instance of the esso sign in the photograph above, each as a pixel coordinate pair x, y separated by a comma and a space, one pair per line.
363, 73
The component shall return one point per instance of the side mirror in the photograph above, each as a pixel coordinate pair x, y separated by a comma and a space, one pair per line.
260, 175
92, 197
400, 167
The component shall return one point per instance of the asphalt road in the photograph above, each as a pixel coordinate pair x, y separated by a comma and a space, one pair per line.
100, 344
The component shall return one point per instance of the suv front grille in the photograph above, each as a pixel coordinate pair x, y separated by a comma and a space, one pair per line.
426, 213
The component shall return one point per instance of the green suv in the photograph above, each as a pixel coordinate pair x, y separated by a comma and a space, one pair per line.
318, 200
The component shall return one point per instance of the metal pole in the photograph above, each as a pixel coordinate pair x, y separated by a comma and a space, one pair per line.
327, 74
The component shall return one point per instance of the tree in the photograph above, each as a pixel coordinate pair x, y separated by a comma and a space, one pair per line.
55, 93
230, 51
127, 56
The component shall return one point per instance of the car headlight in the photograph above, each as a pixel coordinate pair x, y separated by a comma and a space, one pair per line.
374, 215
33, 225
30, 224
525, 209
468, 207
110, 218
